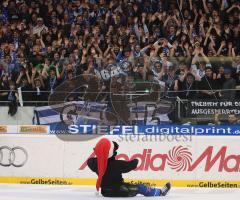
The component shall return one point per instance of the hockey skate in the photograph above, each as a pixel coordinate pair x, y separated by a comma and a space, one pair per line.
165, 189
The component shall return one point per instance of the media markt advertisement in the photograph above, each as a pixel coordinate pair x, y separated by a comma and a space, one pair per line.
185, 161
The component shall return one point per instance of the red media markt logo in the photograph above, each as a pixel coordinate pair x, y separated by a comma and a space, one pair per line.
180, 158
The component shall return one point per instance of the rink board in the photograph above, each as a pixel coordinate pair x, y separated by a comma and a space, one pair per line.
185, 161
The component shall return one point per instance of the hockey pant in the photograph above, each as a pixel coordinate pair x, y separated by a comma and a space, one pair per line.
131, 190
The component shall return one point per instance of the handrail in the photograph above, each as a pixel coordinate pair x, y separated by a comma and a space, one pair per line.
129, 92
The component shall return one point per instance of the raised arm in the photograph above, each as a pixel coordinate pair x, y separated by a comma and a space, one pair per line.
231, 8
127, 166
57, 71
220, 48
205, 58
28, 77
19, 78
205, 6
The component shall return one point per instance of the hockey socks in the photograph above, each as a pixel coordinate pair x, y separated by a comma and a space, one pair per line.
150, 192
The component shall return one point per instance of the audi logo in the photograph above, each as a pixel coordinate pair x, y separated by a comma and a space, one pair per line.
16, 156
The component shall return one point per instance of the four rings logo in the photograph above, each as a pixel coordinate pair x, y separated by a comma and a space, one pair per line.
16, 156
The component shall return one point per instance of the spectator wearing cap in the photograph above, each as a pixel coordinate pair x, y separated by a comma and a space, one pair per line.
228, 86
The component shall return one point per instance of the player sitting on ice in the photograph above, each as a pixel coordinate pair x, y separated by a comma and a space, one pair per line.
110, 171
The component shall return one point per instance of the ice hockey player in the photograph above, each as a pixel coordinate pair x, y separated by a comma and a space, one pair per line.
109, 171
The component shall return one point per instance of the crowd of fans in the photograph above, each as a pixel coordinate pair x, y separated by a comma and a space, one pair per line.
191, 48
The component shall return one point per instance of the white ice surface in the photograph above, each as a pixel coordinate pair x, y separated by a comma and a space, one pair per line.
46, 192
